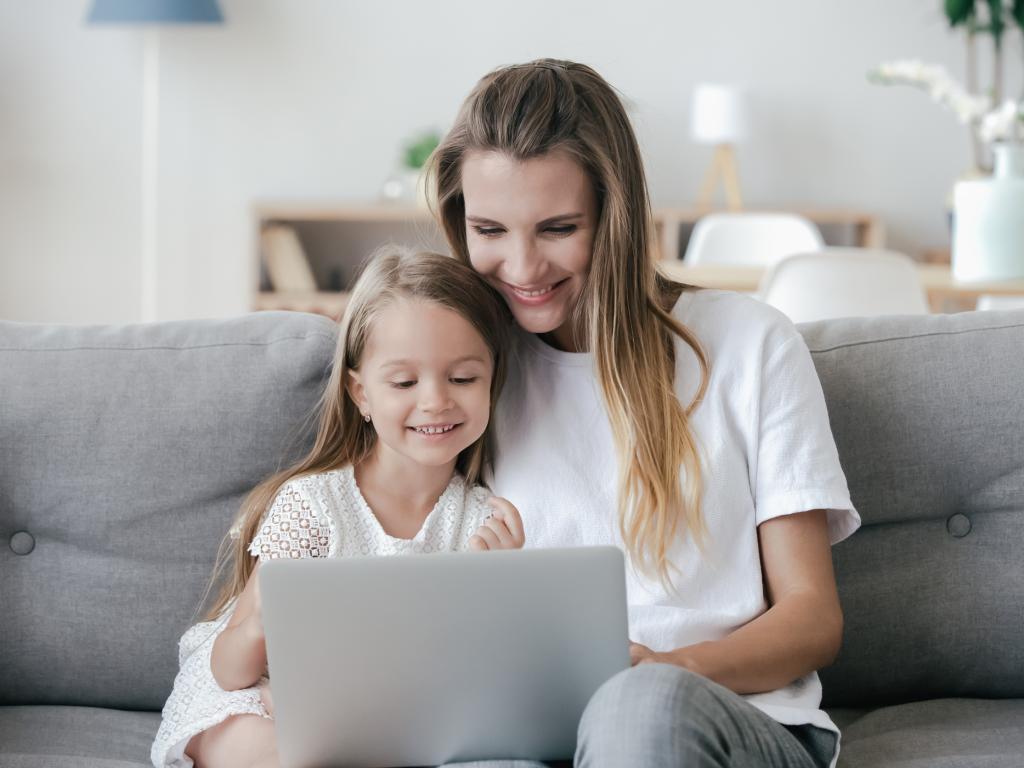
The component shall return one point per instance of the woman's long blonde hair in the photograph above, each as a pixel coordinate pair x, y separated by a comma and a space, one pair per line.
527, 111
343, 438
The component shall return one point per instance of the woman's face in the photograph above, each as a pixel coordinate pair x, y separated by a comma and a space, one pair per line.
530, 232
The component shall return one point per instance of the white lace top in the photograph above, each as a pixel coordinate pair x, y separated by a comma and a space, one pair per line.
326, 515
322, 515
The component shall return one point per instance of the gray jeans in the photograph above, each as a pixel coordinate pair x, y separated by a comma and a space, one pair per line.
663, 716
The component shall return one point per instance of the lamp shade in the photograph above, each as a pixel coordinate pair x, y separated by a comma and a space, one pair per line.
719, 114
155, 12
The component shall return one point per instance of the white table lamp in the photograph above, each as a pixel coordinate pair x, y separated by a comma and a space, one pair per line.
719, 117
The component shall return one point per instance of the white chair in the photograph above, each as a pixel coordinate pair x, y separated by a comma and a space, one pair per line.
844, 282
754, 239
989, 302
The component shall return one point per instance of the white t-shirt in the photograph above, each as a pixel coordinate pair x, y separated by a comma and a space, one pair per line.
767, 449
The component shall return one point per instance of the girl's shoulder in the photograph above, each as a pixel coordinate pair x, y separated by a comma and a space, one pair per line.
297, 523
317, 480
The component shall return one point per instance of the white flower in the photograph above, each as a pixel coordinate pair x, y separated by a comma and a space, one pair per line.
934, 79
1006, 123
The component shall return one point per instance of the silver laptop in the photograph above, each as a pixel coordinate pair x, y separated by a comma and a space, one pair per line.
426, 659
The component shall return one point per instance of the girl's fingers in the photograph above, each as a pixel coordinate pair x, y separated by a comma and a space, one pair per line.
505, 539
489, 537
511, 517
477, 544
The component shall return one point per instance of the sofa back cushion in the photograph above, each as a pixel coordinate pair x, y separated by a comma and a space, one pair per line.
124, 454
928, 416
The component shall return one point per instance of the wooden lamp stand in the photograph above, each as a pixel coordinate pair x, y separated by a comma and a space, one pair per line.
723, 168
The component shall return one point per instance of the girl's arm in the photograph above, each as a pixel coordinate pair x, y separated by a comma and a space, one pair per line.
802, 630
239, 656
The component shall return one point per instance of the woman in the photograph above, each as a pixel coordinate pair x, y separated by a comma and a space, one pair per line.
687, 426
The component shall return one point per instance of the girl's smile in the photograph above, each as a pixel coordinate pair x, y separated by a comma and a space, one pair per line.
424, 381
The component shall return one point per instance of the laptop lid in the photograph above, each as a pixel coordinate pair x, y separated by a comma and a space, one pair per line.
427, 659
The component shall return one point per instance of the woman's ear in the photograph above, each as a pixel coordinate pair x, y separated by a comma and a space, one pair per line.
354, 386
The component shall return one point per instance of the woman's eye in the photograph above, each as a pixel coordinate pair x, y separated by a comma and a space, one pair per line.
488, 231
402, 384
468, 380
567, 229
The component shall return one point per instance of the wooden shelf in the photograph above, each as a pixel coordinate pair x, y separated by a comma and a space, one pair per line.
328, 303
338, 235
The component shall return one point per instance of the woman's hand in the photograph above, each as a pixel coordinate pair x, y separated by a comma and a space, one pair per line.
681, 657
502, 529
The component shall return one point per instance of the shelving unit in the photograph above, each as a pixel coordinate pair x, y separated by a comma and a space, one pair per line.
337, 237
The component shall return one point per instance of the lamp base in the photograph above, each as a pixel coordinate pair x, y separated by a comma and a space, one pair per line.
723, 168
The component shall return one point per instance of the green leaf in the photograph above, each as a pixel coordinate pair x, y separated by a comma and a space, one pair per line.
959, 11
1017, 11
997, 25
417, 152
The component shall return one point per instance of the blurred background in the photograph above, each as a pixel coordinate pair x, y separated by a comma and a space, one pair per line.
315, 105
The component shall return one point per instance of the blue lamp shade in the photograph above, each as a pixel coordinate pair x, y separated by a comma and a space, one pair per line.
155, 12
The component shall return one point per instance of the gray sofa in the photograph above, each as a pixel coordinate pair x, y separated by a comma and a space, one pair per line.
124, 452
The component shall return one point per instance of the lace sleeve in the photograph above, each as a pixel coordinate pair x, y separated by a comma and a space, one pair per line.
291, 528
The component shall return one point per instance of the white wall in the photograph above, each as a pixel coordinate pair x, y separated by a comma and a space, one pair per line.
313, 98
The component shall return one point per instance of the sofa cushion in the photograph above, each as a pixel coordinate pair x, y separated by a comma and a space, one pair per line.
124, 454
928, 416
945, 733
75, 737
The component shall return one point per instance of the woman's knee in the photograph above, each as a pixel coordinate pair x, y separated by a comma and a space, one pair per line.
645, 688
642, 714
236, 742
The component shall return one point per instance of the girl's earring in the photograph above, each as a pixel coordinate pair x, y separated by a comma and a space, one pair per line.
366, 418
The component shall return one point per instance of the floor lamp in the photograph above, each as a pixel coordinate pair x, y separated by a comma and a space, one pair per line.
719, 118
151, 14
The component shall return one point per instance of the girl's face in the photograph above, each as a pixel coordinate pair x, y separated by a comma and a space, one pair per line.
530, 232
425, 382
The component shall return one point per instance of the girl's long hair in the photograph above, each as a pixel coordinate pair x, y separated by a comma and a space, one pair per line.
526, 111
343, 438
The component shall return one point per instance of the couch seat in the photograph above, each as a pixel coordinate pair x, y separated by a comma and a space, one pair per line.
75, 737
941, 733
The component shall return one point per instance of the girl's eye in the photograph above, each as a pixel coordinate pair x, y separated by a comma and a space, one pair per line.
468, 380
488, 231
562, 231
402, 384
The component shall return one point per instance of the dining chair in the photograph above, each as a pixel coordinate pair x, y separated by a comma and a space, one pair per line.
990, 301
755, 239
844, 282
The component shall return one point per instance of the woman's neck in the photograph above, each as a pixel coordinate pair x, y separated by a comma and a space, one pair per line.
563, 339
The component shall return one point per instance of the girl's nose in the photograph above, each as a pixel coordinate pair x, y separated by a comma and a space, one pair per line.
434, 398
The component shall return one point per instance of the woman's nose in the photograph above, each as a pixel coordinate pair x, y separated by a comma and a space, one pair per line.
523, 263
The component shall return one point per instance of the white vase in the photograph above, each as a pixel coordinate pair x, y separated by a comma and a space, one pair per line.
988, 224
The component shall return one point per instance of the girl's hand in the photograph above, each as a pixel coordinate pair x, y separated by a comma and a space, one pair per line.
503, 529
265, 696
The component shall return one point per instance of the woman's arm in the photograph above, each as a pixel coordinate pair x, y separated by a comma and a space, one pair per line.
800, 632
239, 655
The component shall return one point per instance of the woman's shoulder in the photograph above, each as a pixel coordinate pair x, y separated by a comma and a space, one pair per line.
725, 321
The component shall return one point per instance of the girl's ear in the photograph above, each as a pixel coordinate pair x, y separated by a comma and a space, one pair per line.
355, 389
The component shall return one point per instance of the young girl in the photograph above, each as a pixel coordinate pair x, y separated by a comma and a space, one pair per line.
686, 426
401, 445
